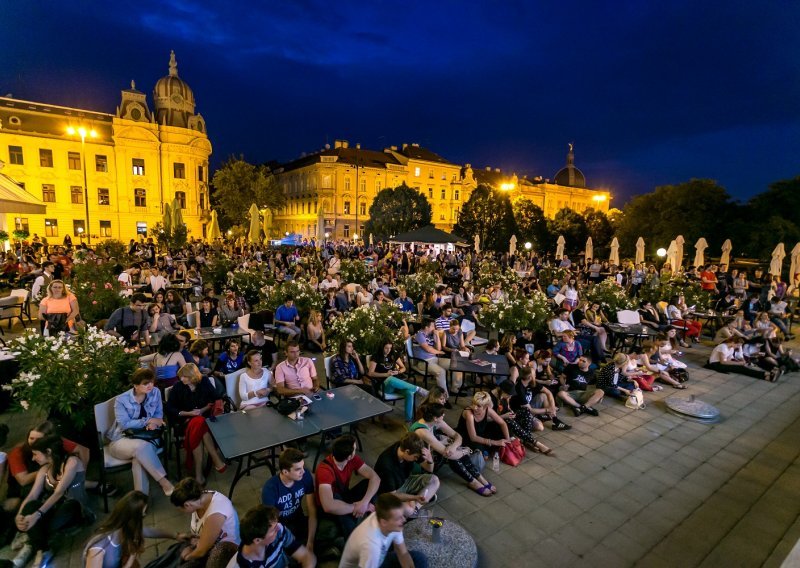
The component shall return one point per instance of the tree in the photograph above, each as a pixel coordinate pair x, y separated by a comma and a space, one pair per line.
600, 229
531, 224
770, 218
488, 214
694, 209
238, 184
572, 225
397, 210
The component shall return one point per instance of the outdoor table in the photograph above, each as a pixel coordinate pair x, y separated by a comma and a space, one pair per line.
241, 434
711, 320
206, 333
468, 366
455, 549
349, 405
620, 332
184, 289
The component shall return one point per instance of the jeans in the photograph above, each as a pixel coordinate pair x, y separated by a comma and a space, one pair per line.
393, 385
391, 560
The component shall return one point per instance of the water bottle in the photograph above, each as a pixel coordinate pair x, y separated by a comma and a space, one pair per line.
496, 462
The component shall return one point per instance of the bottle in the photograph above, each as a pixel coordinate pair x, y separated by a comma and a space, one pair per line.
496, 462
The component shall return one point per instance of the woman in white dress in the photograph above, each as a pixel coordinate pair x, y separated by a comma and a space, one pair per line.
254, 383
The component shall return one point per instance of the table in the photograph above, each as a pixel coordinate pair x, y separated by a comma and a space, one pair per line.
635, 331
184, 289
349, 406
711, 320
206, 333
465, 365
241, 434
456, 548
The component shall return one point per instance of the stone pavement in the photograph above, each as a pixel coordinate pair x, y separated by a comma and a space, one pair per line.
644, 488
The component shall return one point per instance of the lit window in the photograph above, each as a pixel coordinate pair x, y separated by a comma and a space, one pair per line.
416, 172
45, 158
76, 194
179, 170
141, 228
138, 166
326, 181
444, 194
201, 173
346, 231
444, 176
362, 208
105, 228
378, 185
430, 193
347, 184
15, 155
346, 205
51, 227
103, 197
48, 193
363, 186
430, 174
456, 194
180, 197
140, 197
100, 163
78, 227
74, 160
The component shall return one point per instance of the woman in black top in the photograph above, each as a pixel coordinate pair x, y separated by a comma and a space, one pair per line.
382, 371
523, 428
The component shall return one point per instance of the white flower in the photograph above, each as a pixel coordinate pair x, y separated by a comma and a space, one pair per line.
24, 404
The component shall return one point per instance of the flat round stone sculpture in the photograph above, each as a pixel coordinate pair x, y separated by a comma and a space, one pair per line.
693, 408
455, 548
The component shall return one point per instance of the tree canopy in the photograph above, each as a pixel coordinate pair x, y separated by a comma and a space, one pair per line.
572, 226
238, 184
397, 210
531, 224
488, 214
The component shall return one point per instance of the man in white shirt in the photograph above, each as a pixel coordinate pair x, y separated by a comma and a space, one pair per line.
722, 360
39, 288
127, 278
158, 282
368, 545
329, 282
561, 322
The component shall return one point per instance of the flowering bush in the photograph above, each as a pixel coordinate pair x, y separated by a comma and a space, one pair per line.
417, 284
611, 297
548, 273
305, 297
249, 283
692, 291
353, 272
68, 375
490, 273
97, 290
517, 312
368, 328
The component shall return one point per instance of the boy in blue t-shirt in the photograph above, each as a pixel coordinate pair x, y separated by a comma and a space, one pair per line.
286, 491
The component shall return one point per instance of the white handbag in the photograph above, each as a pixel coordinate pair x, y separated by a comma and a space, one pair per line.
635, 400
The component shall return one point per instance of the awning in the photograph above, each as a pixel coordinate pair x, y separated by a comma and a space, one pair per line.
14, 199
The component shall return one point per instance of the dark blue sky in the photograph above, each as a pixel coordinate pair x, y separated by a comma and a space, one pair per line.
650, 93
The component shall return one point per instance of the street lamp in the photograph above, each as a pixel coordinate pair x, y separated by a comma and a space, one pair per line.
662, 252
355, 237
80, 233
599, 198
528, 245
83, 133
507, 186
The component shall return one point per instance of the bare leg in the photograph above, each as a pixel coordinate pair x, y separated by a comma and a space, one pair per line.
211, 448
197, 455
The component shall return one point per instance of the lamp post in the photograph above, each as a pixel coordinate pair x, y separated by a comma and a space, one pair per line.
83, 133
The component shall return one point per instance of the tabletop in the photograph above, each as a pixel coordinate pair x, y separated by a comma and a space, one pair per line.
350, 404
465, 365
631, 329
456, 548
206, 333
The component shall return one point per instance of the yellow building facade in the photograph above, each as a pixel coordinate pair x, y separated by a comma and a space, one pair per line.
330, 191
123, 166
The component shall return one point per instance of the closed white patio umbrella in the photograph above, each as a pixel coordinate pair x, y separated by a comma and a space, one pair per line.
700, 252
613, 258
776, 264
560, 248
640, 251
725, 259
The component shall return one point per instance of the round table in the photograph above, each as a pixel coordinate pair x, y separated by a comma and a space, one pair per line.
456, 548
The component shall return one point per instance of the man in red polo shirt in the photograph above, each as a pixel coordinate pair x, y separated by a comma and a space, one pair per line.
296, 375
708, 279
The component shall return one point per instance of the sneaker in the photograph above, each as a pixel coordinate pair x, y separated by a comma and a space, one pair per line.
561, 426
422, 392
591, 411
42, 558
430, 502
20, 540
22, 557
577, 411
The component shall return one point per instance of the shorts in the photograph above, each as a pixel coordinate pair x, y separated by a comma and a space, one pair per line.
415, 484
581, 396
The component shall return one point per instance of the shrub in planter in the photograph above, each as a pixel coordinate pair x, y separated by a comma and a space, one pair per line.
611, 297
368, 328
97, 290
516, 312
417, 284
353, 272
305, 297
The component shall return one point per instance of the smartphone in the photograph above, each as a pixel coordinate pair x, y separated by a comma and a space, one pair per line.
317, 397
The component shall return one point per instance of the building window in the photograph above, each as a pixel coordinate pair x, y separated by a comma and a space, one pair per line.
201, 173
103, 197
141, 228
140, 198
178, 170
21, 224
455, 215
326, 181
202, 202
444, 176
430, 193
105, 228
76, 194
444, 194
362, 208
45, 158
363, 186
100, 163
48, 193
416, 172
180, 197
378, 186
430, 174
78, 227
347, 184
15, 155
454, 178
138, 167
346, 205
51, 227
74, 160
456, 194
441, 216
347, 231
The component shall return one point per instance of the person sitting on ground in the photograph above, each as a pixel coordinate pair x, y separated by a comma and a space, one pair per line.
315, 333
613, 380
547, 387
287, 490
765, 327
523, 429
190, 402
370, 543
383, 368
723, 360
56, 501
777, 313
481, 427
346, 366
254, 383
267, 543
446, 443
119, 541
649, 359
214, 525
566, 352
406, 470
346, 504
578, 393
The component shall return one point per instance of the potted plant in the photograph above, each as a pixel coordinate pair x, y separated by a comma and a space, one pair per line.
368, 328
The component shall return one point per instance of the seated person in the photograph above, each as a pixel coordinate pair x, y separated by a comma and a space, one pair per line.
287, 490
522, 429
567, 351
287, 317
369, 544
406, 469
267, 543
295, 374
254, 383
612, 378
344, 503
481, 427
382, 370
315, 333
230, 361
214, 525
579, 394
723, 360
346, 366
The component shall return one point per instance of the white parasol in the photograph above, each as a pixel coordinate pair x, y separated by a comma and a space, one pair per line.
776, 264
560, 248
512, 245
725, 259
671, 255
640, 251
795, 265
700, 249
589, 252
613, 258
679, 242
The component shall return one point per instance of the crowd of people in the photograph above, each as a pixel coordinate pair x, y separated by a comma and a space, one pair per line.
570, 365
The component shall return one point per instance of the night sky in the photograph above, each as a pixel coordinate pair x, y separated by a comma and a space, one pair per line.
651, 93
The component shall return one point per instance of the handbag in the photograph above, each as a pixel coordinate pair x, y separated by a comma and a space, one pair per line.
635, 400
169, 559
152, 436
477, 460
287, 405
513, 453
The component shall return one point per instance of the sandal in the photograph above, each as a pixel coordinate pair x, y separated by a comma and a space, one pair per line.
491, 488
483, 491
545, 452
679, 387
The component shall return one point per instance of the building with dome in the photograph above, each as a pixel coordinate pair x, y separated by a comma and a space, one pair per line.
113, 184
332, 189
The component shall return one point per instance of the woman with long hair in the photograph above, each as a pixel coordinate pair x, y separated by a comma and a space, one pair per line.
59, 310
315, 334
254, 383
346, 365
384, 366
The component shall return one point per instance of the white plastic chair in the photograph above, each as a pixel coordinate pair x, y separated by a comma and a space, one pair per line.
328, 371
26, 304
232, 387
628, 317
244, 322
192, 318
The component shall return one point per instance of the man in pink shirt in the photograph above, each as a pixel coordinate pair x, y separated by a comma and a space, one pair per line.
296, 375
